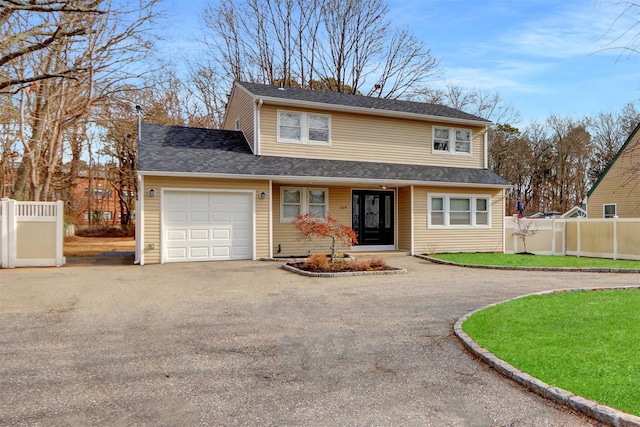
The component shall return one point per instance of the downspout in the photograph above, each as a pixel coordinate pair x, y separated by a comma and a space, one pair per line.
256, 128
270, 219
412, 247
140, 223
486, 145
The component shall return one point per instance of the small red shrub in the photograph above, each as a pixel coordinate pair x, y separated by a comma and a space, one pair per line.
378, 263
318, 261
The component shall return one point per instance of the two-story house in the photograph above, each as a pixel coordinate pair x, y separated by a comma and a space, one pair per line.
405, 175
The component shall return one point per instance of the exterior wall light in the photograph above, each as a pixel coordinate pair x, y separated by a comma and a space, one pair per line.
263, 195
152, 192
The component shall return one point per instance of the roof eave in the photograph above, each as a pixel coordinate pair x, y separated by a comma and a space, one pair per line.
369, 111
321, 179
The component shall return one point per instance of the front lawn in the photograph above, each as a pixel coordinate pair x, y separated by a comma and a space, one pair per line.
515, 260
584, 342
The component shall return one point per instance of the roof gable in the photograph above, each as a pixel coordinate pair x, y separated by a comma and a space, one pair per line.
613, 161
359, 103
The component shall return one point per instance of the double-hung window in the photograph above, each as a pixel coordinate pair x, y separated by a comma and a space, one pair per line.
451, 140
458, 211
299, 200
304, 128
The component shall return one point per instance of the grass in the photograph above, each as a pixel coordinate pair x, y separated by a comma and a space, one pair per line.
584, 342
515, 260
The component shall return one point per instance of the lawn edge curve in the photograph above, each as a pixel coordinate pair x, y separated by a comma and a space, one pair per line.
507, 267
591, 408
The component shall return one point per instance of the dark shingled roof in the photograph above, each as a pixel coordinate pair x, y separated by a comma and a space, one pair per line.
212, 151
359, 101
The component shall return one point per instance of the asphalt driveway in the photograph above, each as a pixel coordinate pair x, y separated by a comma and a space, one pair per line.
245, 343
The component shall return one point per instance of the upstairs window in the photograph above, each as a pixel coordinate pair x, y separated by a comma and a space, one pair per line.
304, 128
451, 140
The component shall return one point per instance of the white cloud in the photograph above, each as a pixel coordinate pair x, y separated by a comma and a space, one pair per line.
575, 29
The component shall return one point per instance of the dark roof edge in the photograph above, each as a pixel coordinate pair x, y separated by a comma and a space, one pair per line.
613, 161
323, 178
364, 110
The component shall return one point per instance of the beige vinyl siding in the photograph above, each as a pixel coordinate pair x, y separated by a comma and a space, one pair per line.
285, 236
620, 185
370, 138
403, 215
241, 106
152, 224
432, 240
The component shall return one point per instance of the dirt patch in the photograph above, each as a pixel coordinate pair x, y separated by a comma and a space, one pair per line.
77, 246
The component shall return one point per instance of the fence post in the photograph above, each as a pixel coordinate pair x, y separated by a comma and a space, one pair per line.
579, 236
4, 233
12, 229
59, 233
615, 237
553, 236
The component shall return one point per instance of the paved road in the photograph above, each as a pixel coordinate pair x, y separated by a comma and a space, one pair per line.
245, 343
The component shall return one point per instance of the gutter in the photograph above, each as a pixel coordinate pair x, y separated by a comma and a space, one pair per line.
322, 179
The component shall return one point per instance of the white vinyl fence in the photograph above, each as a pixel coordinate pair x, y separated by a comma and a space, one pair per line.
615, 238
31, 234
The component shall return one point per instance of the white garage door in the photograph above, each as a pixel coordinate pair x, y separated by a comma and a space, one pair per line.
207, 226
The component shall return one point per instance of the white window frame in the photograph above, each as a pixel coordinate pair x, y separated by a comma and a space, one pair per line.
452, 141
447, 211
304, 128
604, 210
304, 201
236, 124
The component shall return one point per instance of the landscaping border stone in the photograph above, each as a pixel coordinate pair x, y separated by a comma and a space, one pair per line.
590, 408
504, 267
293, 269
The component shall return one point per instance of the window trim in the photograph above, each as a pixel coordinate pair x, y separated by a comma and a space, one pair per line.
304, 128
615, 210
446, 206
452, 141
304, 201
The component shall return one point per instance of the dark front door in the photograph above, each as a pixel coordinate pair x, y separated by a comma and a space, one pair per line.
372, 217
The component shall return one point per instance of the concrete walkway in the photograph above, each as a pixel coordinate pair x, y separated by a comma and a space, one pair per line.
246, 343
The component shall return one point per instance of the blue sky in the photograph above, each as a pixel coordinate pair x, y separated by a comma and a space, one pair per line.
543, 57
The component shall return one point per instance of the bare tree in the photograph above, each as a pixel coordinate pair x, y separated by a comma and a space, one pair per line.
97, 65
609, 131
337, 45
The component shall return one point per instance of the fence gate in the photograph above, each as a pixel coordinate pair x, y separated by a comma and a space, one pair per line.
31, 234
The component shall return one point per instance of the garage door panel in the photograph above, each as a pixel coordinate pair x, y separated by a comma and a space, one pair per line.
200, 226
172, 217
240, 252
199, 217
174, 254
241, 216
199, 234
198, 199
177, 234
220, 216
199, 252
239, 233
220, 251
221, 234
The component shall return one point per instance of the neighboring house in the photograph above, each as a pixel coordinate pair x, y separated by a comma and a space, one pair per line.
94, 201
617, 191
406, 176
